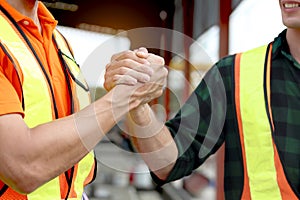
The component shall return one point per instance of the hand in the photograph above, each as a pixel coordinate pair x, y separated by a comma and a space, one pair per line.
128, 68
154, 87
149, 91
126, 71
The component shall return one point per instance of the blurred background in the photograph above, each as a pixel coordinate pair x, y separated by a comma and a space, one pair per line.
191, 35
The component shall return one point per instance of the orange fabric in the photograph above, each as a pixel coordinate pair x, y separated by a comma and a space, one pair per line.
246, 189
91, 175
268, 82
285, 189
9, 99
72, 191
12, 195
63, 186
46, 51
88, 180
10, 91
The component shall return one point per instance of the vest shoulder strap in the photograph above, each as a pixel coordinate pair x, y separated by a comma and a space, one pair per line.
263, 171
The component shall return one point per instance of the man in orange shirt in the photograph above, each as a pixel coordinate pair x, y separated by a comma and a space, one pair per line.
46, 131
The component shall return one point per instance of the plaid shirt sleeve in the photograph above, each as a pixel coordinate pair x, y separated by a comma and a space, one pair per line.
198, 126
194, 123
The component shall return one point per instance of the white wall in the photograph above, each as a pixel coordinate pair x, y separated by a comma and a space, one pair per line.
253, 23
93, 51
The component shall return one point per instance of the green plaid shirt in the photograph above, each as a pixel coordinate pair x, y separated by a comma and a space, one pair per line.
208, 119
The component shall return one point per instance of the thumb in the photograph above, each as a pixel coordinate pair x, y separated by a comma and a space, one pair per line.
142, 52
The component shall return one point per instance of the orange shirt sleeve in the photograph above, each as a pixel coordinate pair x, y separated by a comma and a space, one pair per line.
9, 99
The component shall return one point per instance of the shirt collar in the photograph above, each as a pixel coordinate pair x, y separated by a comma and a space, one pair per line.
281, 48
280, 44
45, 16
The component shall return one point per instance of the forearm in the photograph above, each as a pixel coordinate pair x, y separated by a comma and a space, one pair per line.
152, 140
41, 153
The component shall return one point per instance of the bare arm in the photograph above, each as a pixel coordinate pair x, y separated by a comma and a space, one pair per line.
153, 140
150, 137
30, 157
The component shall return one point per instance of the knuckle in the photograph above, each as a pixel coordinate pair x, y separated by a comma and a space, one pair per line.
161, 60
107, 65
122, 70
127, 62
105, 85
157, 59
128, 53
160, 92
115, 78
165, 71
105, 77
113, 57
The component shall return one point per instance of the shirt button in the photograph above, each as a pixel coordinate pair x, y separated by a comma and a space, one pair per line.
25, 22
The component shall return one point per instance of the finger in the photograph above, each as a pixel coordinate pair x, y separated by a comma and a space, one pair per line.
111, 82
128, 55
108, 83
142, 52
155, 59
125, 65
138, 76
125, 80
116, 55
114, 76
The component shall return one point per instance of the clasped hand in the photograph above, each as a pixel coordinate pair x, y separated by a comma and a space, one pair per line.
144, 72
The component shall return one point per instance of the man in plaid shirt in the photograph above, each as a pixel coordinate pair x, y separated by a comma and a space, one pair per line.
214, 114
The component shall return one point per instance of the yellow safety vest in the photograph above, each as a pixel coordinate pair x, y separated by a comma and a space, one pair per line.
264, 176
39, 106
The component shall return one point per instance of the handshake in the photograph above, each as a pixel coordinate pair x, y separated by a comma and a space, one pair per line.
143, 73
133, 79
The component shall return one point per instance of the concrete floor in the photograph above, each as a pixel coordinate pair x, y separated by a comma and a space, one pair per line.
115, 177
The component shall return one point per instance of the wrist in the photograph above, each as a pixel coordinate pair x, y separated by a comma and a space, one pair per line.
143, 123
140, 115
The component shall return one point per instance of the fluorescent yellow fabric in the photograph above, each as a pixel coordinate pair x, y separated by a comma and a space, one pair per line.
38, 109
35, 86
38, 106
82, 89
84, 168
256, 127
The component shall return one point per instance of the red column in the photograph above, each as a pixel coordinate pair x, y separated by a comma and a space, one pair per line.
225, 11
188, 23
